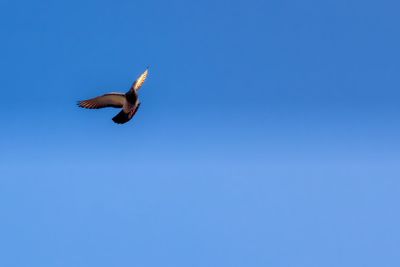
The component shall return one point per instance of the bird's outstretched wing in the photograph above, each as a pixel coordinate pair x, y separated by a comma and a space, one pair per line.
139, 82
115, 100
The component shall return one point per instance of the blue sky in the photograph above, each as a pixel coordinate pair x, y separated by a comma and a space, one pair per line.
267, 135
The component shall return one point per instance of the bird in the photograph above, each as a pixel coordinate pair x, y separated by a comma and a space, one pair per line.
129, 102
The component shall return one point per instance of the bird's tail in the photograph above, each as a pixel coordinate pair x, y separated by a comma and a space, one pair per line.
121, 117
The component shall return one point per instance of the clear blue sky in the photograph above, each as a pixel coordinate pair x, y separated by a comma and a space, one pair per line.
268, 134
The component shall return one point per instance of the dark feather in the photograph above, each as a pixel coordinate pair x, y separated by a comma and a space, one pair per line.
121, 117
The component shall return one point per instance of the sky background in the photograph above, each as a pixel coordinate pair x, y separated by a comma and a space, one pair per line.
268, 133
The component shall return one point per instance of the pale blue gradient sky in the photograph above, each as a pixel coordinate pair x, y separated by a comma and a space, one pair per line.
268, 134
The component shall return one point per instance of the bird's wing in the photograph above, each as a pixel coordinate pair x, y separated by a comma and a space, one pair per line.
139, 82
115, 100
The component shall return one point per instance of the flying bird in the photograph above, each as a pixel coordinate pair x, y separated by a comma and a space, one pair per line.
129, 102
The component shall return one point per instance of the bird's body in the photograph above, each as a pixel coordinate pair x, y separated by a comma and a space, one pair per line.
129, 102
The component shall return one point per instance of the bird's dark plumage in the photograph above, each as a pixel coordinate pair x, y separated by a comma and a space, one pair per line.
129, 102
115, 100
123, 117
